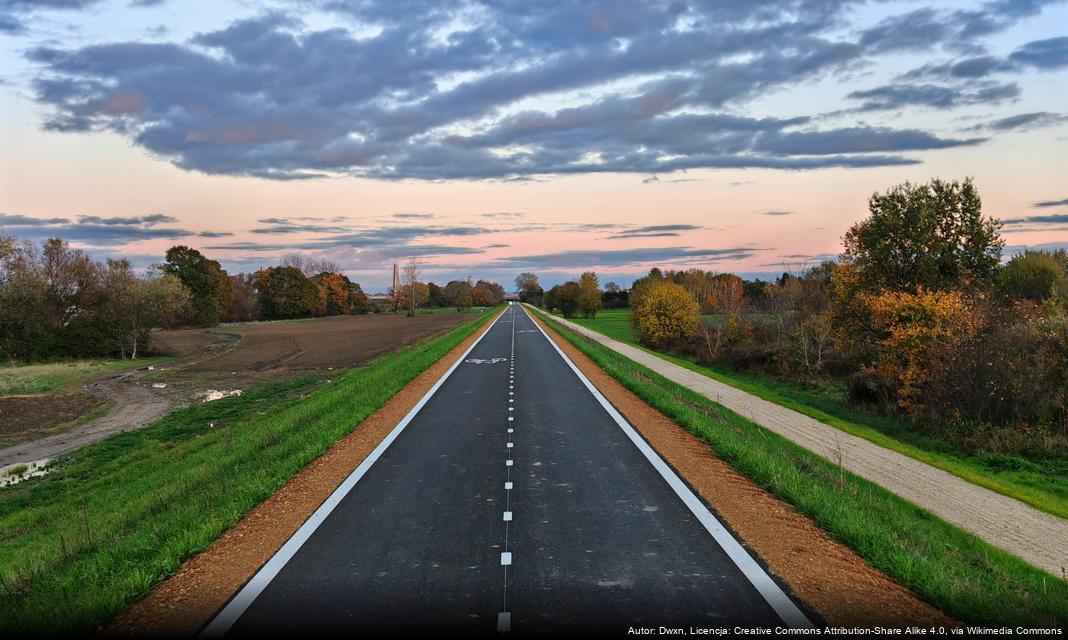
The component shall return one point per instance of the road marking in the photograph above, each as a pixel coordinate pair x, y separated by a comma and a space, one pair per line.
507, 516
506, 558
507, 486
510, 418
511, 430
509, 445
507, 463
772, 593
244, 598
504, 622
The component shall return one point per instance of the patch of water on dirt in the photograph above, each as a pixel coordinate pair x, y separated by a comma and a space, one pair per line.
16, 473
213, 394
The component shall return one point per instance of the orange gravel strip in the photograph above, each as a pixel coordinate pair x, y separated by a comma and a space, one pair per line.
829, 577
182, 604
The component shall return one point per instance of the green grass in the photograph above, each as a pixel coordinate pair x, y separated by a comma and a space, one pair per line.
955, 571
109, 523
60, 377
1043, 484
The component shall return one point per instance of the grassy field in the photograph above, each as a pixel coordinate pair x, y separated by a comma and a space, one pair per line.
1042, 484
962, 575
60, 377
110, 522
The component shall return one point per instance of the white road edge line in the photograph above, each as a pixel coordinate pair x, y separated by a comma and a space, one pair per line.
772, 593
237, 606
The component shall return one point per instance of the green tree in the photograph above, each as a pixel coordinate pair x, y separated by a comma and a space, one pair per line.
529, 290
285, 292
1033, 275
210, 289
567, 298
930, 237
590, 295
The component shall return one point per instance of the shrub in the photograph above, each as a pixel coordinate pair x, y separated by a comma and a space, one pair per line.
666, 316
1033, 275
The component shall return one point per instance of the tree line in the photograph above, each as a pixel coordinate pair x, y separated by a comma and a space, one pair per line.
58, 302
918, 317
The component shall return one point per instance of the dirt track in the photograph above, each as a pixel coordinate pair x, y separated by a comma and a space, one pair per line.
268, 350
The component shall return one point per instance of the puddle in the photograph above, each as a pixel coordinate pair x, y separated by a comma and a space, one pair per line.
16, 473
212, 394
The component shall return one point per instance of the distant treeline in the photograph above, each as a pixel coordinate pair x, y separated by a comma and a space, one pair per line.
57, 302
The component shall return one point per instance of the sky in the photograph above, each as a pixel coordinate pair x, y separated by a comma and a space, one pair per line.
491, 138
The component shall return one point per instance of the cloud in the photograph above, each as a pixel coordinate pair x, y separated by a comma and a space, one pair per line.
1023, 122
14, 13
1043, 54
663, 256
93, 230
1051, 203
413, 216
1038, 220
900, 95
777, 212
656, 231
437, 93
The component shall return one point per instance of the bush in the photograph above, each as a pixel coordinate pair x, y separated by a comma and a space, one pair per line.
1033, 275
666, 316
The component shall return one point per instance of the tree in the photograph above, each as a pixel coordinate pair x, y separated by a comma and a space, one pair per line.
932, 237
285, 292
71, 281
245, 304
458, 293
209, 287
133, 305
1035, 276
310, 265
567, 297
409, 279
589, 298
358, 300
527, 286
667, 315
336, 289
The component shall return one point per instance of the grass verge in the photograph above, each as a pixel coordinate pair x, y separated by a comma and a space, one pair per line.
1043, 484
952, 569
58, 377
109, 523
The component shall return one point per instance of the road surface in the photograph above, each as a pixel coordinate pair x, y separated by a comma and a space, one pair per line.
513, 498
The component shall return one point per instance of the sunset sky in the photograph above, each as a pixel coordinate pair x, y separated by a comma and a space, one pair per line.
490, 138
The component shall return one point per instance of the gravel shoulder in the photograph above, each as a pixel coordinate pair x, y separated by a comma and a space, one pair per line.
1037, 537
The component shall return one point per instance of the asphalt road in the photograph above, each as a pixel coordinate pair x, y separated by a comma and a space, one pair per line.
513, 500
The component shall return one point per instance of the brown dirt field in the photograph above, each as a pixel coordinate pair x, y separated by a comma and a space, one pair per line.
830, 578
337, 341
27, 417
183, 603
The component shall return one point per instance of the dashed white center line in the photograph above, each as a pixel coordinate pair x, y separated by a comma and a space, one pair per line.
509, 445
506, 558
507, 516
507, 486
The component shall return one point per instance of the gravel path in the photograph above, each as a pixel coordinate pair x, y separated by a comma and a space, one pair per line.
1035, 536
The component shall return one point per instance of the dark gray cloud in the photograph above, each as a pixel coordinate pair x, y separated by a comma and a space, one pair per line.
427, 96
93, 230
777, 212
1038, 220
656, 231
1050, 203
1023, 122
900, 95
14, 13
1043, 54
